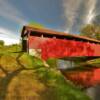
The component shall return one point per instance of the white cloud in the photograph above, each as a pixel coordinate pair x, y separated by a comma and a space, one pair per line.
73, 13
8, 36
8, 11
8, 32
70, 12
90, 7
9, 40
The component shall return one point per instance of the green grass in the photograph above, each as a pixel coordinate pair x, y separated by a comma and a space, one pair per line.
94, 62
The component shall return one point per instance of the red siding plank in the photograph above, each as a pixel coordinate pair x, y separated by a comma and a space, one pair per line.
58, 48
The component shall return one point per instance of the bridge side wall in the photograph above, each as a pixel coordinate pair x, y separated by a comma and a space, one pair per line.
58, 48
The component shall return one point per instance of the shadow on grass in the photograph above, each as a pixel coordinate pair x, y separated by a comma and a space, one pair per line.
5, 81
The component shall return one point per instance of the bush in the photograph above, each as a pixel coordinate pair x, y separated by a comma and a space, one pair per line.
1, 43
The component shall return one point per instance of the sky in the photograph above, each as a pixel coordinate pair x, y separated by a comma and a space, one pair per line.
60, 15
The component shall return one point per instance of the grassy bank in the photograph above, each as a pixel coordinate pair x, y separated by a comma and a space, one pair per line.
23, 77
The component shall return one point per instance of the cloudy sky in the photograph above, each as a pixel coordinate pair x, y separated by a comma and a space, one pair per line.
60, 15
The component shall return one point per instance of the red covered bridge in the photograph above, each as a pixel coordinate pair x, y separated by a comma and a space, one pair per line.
58, 44
52, 44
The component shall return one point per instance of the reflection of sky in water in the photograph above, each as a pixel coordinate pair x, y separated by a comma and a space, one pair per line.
63, 64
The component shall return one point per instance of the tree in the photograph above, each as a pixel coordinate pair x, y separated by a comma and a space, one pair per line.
91, 30
1, 43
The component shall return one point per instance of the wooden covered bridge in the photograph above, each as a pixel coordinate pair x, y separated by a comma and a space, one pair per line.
52, 44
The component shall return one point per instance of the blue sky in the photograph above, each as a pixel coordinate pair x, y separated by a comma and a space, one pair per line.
46, 12
60, 15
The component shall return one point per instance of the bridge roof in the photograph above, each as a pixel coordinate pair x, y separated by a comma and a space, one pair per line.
55, 33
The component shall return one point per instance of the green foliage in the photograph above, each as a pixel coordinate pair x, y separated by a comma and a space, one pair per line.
91, 30
10, 48
58, 87
30, 61
52, 62
94, 62
36, 25
1, 43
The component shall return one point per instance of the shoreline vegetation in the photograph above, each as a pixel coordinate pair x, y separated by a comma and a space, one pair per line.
23, 77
